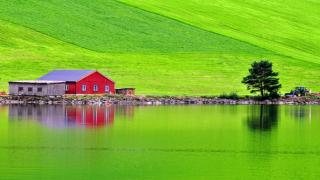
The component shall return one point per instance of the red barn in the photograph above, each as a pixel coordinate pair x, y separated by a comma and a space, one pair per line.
82, 81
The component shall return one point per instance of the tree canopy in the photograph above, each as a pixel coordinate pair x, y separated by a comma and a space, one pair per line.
262, 79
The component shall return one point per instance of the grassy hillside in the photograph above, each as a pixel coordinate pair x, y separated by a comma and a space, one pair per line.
110, 26
158, 53
288, 27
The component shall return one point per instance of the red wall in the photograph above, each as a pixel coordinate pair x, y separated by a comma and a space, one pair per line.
90, 81
72, 88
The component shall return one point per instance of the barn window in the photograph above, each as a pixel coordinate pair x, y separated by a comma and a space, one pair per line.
84, 87
20, 88
30, 89
106, 88
67, 87
95, 87
39, 89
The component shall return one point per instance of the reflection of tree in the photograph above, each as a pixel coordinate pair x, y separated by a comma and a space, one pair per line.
300, 112
263, 118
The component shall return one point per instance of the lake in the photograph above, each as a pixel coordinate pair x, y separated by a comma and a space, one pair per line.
159, 142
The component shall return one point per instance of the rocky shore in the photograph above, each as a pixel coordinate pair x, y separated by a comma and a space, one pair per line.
148, 100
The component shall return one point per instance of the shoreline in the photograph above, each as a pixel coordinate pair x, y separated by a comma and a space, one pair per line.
150, 100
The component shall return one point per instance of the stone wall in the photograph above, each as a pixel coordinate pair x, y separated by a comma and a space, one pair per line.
141, 100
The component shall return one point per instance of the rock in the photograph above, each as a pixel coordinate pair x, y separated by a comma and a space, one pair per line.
142, 100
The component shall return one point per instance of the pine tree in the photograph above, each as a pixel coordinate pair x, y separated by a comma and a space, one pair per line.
262, 79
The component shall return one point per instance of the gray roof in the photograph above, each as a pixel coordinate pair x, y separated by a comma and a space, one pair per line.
66, 75
37, 82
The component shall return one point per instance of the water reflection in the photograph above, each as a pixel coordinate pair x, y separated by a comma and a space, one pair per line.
300, 112
69, 115
263, 117
125, 112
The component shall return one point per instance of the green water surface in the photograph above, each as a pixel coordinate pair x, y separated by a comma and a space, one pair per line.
160, 142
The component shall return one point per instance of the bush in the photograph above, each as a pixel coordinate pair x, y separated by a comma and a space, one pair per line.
274, 95
223, 96
208, 97
232, 95
271, 96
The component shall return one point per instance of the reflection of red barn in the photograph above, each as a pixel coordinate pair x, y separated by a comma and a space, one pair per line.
82, 81
90, 116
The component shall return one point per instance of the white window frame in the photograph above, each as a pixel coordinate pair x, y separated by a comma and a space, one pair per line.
67, 87
84, 87
106, 88
95, 87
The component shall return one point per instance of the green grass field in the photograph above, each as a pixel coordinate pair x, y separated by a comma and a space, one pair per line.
162, 48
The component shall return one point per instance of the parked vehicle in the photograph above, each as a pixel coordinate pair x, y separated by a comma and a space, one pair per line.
298, 91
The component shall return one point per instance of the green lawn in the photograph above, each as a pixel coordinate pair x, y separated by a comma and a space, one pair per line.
159, 48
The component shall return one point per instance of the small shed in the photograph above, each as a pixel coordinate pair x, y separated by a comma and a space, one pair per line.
126, 91
37, 88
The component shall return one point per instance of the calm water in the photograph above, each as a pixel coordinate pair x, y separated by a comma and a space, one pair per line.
161, 142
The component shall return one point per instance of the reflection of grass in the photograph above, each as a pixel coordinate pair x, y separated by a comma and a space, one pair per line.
155, 54
3, 122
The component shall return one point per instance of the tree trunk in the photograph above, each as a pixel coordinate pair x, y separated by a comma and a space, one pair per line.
261, 89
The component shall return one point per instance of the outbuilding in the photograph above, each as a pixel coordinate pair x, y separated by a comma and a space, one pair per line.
126, 91
82, 81
37, 88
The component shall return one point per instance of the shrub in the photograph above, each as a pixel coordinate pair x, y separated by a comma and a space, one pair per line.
223, 96
274, 95
232, 95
